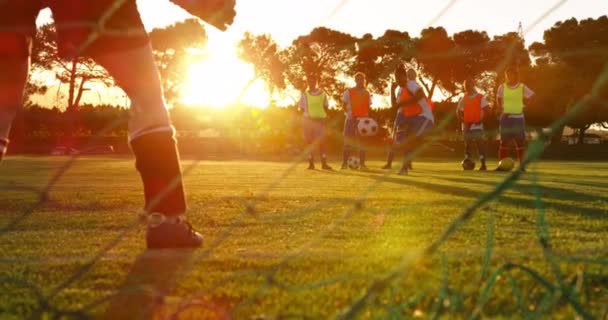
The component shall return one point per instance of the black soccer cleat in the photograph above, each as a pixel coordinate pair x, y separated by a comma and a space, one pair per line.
483, 168
311, 166
387, 166
173, 233
325, 166
403, 171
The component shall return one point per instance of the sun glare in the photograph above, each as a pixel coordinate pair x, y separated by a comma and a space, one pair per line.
223, 79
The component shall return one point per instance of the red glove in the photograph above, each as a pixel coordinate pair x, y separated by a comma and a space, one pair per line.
218, 13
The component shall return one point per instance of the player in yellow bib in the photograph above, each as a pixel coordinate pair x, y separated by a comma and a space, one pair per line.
314, 104
512, 98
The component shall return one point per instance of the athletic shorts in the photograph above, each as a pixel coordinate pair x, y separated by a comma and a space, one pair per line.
472, 134
313, 129
404, 127
512, 128
80, 27
350, 127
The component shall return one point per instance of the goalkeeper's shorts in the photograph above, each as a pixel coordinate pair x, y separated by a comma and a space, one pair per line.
84, 27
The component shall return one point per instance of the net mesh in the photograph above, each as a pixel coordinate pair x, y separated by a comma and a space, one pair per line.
384, 293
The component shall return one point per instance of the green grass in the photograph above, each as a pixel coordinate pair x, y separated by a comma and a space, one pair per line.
285, 242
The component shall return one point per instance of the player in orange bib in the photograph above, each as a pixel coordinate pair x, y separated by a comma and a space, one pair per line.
414, 119
471, 111
357, 103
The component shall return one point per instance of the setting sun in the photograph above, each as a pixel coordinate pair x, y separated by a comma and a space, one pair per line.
222, 79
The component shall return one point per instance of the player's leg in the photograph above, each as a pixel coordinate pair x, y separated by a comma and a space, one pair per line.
481, 145
418, 128
396, 140
362, 149
520, 141
520, 146
390, 155
408, 149
468, 141
362, 158
153, 143
505, 137
12, 82
409, 143
348, 134
17, 27
127, 55
309, 138
323, 144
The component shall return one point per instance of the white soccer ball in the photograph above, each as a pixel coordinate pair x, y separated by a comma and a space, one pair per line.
353, 163
367, 127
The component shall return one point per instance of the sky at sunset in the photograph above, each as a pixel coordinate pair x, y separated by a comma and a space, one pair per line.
287, 19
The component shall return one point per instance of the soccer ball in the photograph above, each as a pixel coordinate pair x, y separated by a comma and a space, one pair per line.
468, 164
353, 163
367, 127
506, 164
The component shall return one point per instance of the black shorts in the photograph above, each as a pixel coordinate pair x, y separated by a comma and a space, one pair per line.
84, 27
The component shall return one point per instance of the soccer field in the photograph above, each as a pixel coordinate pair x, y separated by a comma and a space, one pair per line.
285, 242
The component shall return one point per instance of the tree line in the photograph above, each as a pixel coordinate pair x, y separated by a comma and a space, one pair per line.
562, 70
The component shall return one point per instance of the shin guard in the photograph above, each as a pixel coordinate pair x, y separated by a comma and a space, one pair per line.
157, 161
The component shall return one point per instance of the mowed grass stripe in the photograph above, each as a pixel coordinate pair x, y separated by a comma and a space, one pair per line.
96, 198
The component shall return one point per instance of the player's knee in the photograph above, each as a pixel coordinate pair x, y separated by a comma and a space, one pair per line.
12, 80
143, 117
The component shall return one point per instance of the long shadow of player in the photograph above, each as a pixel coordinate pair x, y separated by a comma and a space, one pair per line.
152, 277
475, 193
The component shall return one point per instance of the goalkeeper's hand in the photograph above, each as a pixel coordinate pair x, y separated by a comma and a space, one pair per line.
218, 13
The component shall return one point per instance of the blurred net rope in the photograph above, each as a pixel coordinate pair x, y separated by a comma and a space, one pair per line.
561, 290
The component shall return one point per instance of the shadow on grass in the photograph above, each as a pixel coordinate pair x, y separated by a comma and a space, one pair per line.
548, 193
152, 278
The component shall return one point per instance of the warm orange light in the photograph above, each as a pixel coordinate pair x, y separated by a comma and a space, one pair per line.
222, 79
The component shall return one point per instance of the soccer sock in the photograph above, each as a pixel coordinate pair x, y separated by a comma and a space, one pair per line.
362, 157
390, 156
482, 150
406, 159
157, 160
467, 149
322, 148
345, 155
520, 153
503, 152
323, 158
